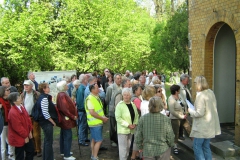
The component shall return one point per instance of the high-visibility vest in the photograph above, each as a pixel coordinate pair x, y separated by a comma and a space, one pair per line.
96, 102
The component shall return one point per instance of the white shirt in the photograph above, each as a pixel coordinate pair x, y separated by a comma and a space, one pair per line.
19, 107
28, 102
144, 107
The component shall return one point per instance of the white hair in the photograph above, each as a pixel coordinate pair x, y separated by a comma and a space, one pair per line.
3, 78
29, 73
61, 85
150, 74
126, 90
184, 76
82, 77
76, 82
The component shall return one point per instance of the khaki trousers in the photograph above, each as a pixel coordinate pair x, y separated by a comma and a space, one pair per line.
36, 136
176, 125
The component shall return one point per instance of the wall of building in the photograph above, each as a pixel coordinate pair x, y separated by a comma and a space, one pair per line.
206, 17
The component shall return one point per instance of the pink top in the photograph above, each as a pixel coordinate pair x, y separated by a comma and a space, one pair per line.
137, 102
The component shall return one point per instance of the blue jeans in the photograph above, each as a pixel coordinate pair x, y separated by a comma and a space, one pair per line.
48, 141
82, 127
65, 142
201, 147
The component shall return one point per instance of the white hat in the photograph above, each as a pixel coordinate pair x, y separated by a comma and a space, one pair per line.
28, 82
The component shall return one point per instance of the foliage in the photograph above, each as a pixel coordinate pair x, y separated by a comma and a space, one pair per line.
88, 35
73, 35
169, 42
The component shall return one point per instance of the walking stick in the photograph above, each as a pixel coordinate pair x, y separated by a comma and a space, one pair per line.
78, 141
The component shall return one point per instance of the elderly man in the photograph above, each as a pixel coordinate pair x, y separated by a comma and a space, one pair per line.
29, 98
142, 81
31, 76
118, 96
186, 95
95, 119
111, 91
70, 85
5, 82
128, 75
82, 117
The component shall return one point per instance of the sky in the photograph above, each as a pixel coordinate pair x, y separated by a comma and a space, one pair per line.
148, 4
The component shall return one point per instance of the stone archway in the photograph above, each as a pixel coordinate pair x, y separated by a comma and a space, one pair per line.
213, 73
208, 57
209, 68
224, 77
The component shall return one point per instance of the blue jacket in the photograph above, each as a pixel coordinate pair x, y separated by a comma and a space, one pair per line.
70, 88
80, 98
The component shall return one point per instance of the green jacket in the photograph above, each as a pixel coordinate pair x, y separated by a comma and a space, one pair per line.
123, 118
154, 134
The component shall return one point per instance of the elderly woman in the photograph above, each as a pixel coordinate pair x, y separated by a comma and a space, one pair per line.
20, 128
206, 123
154, 134
5, 108
76, 84
160, 93
68, 114
48, 118
178, 114
127, 118
147, 93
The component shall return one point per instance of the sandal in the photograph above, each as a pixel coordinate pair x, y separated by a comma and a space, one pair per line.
175, 151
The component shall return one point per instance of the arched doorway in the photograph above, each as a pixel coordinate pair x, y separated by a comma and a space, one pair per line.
224, 73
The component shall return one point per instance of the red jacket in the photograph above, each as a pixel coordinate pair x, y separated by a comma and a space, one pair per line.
67, 111
19, 126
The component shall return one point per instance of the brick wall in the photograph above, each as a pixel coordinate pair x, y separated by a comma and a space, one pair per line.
205, 19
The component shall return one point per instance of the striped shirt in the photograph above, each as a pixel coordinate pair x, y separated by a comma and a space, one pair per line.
44, 107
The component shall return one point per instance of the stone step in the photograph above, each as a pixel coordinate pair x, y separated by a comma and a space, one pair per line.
224, 150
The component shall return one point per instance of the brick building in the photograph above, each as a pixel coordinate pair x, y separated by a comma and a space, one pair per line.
214, 36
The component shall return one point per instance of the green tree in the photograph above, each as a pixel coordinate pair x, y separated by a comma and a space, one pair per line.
73, 35
169, 43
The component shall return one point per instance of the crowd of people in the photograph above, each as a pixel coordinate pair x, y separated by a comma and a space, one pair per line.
143, 121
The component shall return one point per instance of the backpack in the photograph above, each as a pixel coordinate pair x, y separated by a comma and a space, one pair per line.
35, 112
